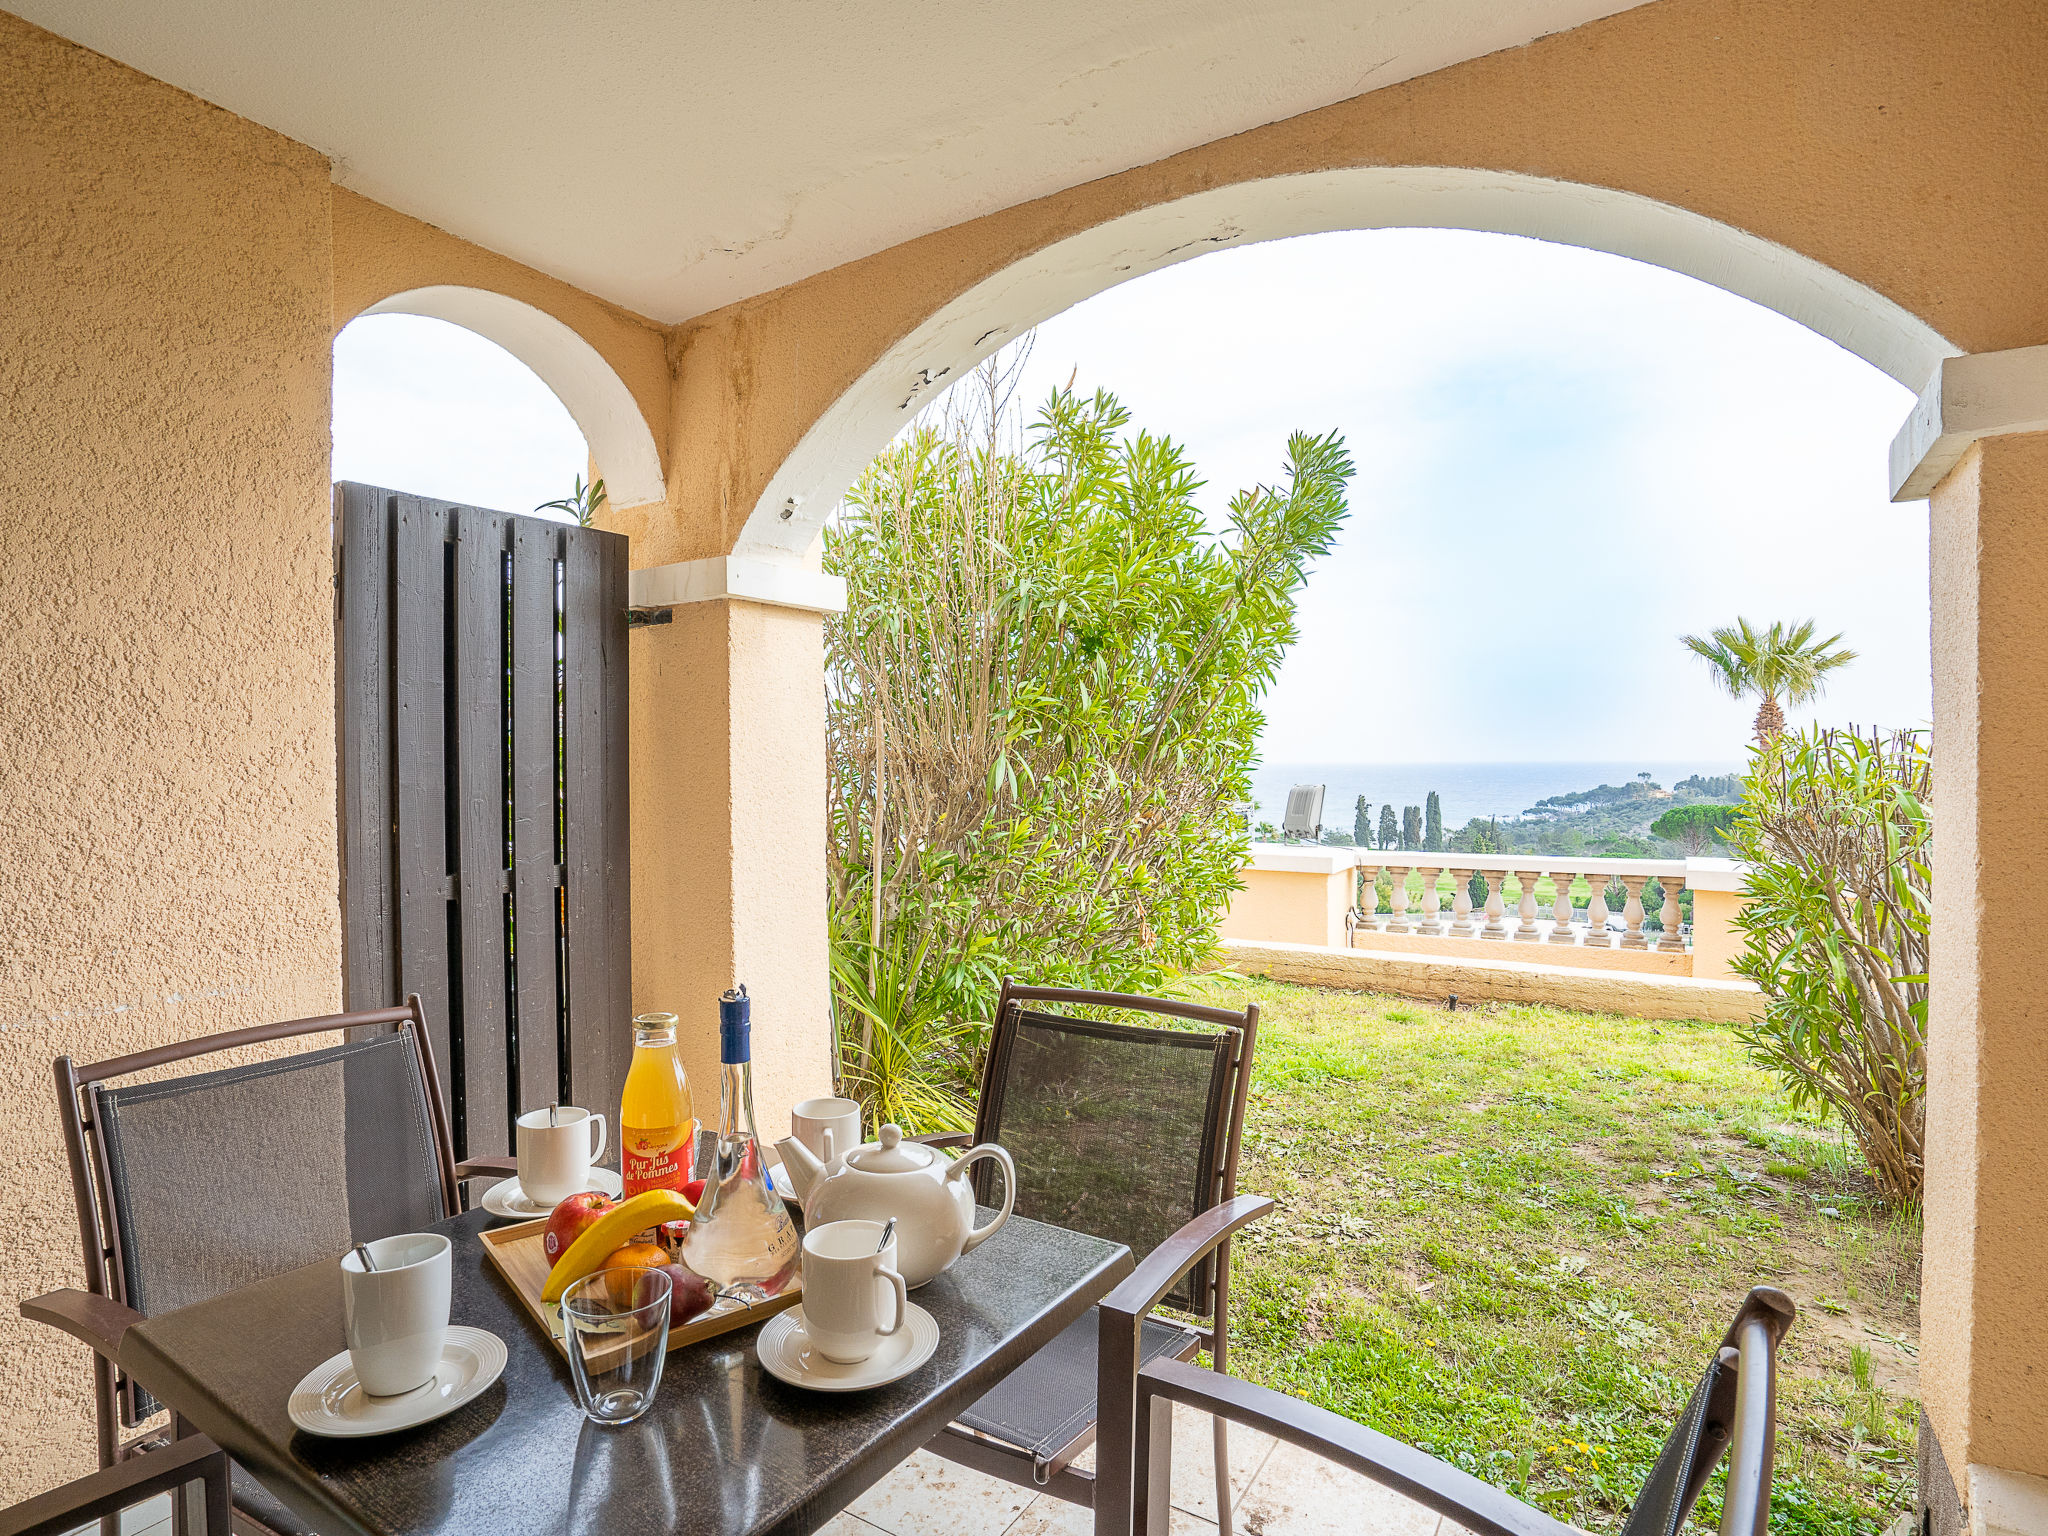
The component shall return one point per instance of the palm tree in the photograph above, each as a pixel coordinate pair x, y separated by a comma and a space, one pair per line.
1774, 664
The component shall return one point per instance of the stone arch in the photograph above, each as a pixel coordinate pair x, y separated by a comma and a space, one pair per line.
980, 318
598, 400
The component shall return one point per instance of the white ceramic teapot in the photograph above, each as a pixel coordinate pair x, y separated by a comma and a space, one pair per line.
925, 1192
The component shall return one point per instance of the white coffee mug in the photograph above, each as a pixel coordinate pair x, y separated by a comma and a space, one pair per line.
395, 1316
846, 1273
828, 1128
555, 1159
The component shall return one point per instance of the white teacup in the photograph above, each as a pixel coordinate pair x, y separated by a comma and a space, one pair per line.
554, 1160
396, 1316
828, 1128
846, 1273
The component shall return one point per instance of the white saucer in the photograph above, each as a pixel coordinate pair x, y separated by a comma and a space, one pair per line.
506, 1198
786, 1354
330, 1401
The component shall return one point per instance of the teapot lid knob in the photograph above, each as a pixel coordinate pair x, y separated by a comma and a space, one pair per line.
890, 1153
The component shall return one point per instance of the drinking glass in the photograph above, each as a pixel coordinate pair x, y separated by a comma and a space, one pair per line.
615, 1323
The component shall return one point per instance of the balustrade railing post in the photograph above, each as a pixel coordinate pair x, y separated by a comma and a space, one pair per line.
1496, 905
1561, 909
1462, 925
1596, 912
1527, 933
1398, 922
1673, 938
1632, 912
1432, 910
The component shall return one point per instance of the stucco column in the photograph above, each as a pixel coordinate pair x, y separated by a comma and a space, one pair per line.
1984, 1288
728, 797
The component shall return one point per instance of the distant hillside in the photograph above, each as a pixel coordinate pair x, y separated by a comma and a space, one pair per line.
1606, 821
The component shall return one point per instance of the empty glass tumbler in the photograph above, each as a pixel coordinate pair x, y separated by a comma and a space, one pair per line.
615, 1323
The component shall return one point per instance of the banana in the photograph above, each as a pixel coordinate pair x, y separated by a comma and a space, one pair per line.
611, 1231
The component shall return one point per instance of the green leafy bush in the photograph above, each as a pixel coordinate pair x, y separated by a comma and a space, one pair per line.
1836, 828
1042, 712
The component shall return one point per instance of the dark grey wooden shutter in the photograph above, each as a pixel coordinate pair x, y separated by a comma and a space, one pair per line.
482, 727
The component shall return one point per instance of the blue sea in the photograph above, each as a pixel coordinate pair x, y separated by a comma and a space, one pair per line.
1468, 789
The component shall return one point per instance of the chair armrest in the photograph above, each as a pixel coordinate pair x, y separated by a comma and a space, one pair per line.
97, 1320
1119, 1318
1163, 1267
944, 1139
486, 1167
1479, 1507
113, 1489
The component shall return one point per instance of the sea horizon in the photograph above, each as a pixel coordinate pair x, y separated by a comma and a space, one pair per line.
1468, 789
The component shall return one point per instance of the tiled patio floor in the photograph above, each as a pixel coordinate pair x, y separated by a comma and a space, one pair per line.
1279, 1491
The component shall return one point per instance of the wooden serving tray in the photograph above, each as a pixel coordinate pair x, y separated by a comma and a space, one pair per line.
517, 1253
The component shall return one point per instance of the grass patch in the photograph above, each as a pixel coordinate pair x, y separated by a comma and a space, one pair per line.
1512, 1234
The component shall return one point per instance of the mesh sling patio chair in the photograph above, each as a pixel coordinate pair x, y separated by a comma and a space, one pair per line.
189, 1186
1732, 1412
1128, 1132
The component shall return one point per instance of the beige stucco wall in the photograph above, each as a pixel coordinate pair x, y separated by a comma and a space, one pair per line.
1292, 905
1984, 1366
167, 848
1716, 941
379, 252
728, 774
1888, 139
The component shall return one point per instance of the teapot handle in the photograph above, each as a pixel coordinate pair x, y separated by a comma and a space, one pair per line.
980, 1235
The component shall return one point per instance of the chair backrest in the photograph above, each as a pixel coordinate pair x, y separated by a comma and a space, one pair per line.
1732, 1412
190, 1186
1121, 1130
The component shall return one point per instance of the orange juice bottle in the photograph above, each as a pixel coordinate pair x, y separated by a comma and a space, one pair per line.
657, 1125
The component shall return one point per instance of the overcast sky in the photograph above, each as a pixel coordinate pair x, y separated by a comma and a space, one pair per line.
1565, 460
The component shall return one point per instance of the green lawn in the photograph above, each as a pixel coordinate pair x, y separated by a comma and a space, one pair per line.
1512, 1235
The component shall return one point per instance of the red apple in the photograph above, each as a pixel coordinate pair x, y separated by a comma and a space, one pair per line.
567, 1221
691, 1296
694, 1191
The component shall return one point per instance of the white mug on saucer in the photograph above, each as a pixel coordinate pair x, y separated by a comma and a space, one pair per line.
828, 1128
846, 1273
555, 1159
395, 1316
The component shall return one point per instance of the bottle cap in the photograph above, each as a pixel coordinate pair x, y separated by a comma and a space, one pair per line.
735, 1029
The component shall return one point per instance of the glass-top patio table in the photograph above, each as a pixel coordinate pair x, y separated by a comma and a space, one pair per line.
726, 1448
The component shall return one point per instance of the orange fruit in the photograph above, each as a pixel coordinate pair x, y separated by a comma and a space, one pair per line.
636, 1256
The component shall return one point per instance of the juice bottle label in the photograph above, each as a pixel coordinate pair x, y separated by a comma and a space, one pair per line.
657, 1156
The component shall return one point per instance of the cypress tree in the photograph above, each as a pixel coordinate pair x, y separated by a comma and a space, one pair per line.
1389, 833
1433, 824
1411, 826
1361, 824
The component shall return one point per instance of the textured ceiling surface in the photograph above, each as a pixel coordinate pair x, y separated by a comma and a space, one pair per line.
673, 155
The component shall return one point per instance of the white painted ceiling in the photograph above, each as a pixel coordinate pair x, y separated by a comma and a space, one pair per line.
675, 155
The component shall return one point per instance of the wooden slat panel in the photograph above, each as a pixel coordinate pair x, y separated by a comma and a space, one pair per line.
479, 702
535, 544
599, 1045
420, 553
363, 708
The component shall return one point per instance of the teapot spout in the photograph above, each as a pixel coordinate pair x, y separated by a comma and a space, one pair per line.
803, 1168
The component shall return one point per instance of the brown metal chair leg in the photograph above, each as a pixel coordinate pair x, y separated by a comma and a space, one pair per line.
1222, 1475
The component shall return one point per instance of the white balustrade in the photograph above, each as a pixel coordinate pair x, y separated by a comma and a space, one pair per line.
1462, 926
1527, 932
1533, 920
1432, 904
1496, 907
